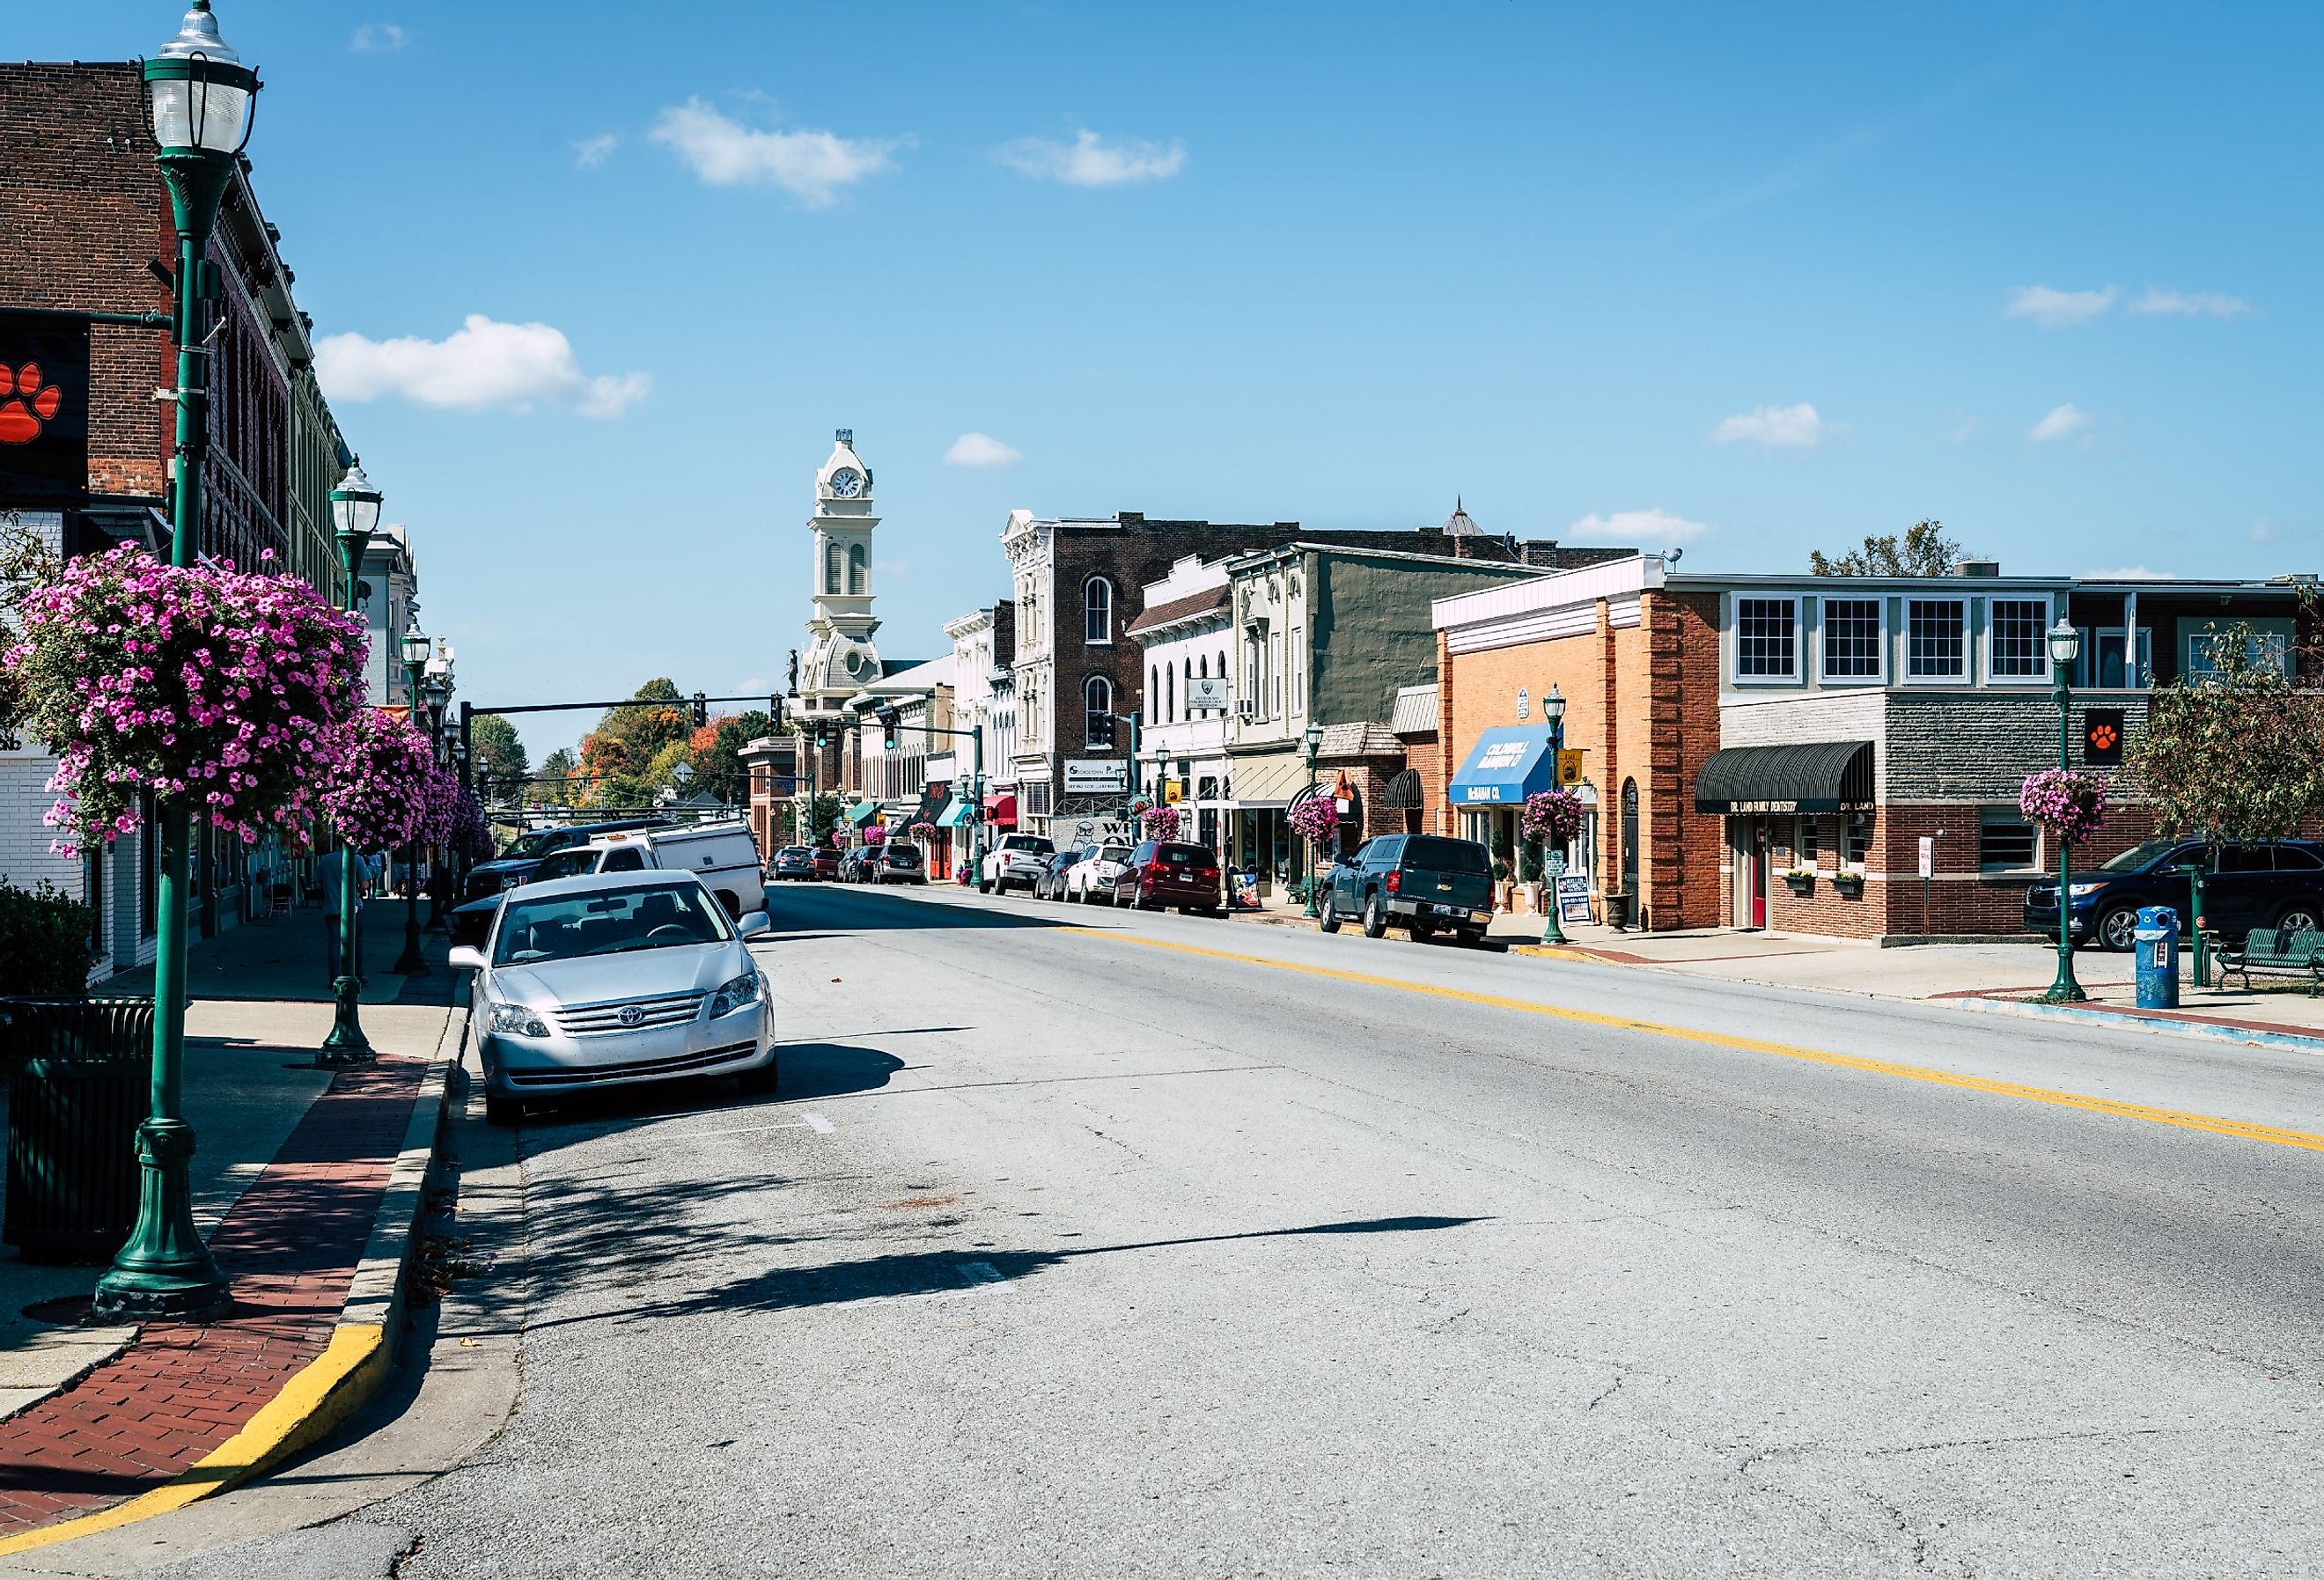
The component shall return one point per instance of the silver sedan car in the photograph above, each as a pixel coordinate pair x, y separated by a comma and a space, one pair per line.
612, 979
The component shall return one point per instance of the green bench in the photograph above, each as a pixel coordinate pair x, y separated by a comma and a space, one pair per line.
2286, 951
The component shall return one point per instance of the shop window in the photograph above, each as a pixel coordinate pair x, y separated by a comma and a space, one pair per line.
2004, 841
2021, 644
1936, 639
1804, 840
1855, 840
1097, 612
1851, 639
1767, 638
1097, 710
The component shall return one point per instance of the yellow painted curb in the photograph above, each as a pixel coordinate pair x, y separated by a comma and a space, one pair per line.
324, 1393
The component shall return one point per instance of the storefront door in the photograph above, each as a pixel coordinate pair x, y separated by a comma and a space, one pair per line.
1757, 868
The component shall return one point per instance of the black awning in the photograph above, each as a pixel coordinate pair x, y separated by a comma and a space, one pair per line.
1403, 792
1813, 776
933, 801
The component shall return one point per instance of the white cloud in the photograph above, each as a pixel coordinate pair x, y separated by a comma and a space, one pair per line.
2130, 573
1776, 428
2190, 304
1637, 526
2264, 530
377, 38
2057, 309
1091, 160
811, 166
980, 449
2062, 421
483, 364
590, 153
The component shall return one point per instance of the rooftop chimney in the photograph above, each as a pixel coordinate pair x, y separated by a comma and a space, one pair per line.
1982, 568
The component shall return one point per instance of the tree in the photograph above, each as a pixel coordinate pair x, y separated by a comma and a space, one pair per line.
1922, 550
495, 752
718, 761
556, 768
823, 817
616, 755
2234, 753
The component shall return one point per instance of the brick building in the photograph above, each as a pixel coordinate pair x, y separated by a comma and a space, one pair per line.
85, 216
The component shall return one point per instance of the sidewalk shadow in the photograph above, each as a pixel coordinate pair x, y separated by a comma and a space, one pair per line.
888, 1276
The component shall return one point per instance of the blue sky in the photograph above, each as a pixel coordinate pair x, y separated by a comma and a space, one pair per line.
1784, 274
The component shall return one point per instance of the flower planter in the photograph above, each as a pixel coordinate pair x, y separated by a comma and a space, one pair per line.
1850, 885
1805, 885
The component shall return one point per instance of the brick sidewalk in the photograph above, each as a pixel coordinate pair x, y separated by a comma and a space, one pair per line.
290, 1245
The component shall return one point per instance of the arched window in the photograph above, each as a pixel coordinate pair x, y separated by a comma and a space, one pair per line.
1169, 695
1153, 695
1097, 612
1097, 711
832, 559
859, 569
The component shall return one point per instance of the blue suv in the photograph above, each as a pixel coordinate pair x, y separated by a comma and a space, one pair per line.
2265, 884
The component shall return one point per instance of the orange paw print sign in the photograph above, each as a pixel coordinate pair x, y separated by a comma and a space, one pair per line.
43, 411
25, 403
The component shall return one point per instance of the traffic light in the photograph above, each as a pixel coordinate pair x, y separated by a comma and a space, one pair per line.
701, 710
774, 713
2101, 737
888, 722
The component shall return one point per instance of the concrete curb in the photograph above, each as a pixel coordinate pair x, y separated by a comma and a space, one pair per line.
2291, 1041
337, 1383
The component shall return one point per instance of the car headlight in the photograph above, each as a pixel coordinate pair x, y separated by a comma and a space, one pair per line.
739, 994
2084, 891
516, 1020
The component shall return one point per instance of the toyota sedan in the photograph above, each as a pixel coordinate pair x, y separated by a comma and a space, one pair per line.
616, 979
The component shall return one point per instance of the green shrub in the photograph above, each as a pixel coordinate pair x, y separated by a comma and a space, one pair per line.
43, 943
1530, 865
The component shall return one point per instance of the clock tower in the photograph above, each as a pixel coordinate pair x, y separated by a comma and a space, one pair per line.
840, 658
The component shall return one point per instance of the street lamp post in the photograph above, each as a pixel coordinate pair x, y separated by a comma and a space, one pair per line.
2065, 645
437, 689
355, 516
411, 963
201, 95
1552, 710
1315, 742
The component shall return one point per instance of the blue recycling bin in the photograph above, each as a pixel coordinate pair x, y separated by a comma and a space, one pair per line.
2156, 940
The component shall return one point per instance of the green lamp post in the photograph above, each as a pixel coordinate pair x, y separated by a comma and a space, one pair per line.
1553, 711
2065, 646
411, 963
1314, 741
438, 690
200, 94
355, 517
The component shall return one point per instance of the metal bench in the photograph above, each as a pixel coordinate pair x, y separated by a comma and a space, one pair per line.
2280, 951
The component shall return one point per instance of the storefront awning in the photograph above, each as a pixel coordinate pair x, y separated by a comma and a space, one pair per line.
1001, 811
933, 801
1403, 793
863, 812
1809, 776
954, 816
1505, 767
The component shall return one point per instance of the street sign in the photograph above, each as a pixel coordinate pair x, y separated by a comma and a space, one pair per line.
1928, 856
2101, 737
1568, 767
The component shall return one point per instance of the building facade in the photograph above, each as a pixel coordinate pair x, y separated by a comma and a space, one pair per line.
1186, 634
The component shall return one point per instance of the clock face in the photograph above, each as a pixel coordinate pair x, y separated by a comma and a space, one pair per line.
847, 483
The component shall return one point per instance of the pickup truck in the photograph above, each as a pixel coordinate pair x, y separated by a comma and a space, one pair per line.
723, 856
1422, 883
1018, 859
524, 854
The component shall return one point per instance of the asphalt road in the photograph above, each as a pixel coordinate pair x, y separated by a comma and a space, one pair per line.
1100, 1244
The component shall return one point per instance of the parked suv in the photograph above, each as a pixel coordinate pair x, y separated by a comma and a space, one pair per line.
1018, 860
1051, 883
899, 861
1162, 872
1423, 883
2265, 884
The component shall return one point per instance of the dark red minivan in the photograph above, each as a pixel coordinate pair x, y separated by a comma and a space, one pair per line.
1162, 873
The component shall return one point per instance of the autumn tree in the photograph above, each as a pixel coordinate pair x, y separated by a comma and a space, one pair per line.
496, 756
1922, 549
616, 756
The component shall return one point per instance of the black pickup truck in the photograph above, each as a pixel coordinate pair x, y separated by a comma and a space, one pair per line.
1423, 883
524, 852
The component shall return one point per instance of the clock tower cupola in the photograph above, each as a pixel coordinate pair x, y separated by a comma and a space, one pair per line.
841, 659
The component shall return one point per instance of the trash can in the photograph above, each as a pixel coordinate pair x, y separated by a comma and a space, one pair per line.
77, 1093
2156, 940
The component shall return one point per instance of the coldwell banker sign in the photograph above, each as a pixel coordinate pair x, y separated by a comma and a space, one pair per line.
44, 411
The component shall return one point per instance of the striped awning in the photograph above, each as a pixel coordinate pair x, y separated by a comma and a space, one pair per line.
1403, 793
1806, 776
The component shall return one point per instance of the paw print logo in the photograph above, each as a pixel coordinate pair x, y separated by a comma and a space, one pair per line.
2103, 737
25, 403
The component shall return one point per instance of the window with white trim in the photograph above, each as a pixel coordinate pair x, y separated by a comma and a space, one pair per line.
2020, 635
1936, 639
1097, 612
2004, 841
1804, 840
1097, 712
1855, 840
1851, 639
1766, 639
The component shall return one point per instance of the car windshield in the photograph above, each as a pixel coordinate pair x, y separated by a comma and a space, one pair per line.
1443, 855
1029, 845
608, 922
525, 846
2138, 855
567, 863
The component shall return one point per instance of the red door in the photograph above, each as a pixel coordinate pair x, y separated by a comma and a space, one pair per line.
1760, 873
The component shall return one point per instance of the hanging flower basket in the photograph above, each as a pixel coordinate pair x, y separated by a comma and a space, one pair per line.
385, 790
1162, 823
1553, 816
2069, 804
219, 687
1317, 821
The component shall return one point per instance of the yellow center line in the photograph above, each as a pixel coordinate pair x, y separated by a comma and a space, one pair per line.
2269, 1133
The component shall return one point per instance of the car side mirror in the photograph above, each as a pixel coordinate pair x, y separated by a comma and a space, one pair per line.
465, 957
750, 924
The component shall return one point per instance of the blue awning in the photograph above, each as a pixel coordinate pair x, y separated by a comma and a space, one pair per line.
954, 816
1505, 766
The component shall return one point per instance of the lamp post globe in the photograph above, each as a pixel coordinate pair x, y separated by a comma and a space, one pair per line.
2065, 645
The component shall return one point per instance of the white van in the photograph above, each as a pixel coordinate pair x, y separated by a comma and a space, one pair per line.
723, 856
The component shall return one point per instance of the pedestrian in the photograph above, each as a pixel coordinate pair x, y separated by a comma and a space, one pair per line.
336, 870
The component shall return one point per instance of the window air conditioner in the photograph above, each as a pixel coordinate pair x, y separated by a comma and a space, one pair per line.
1246, 708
